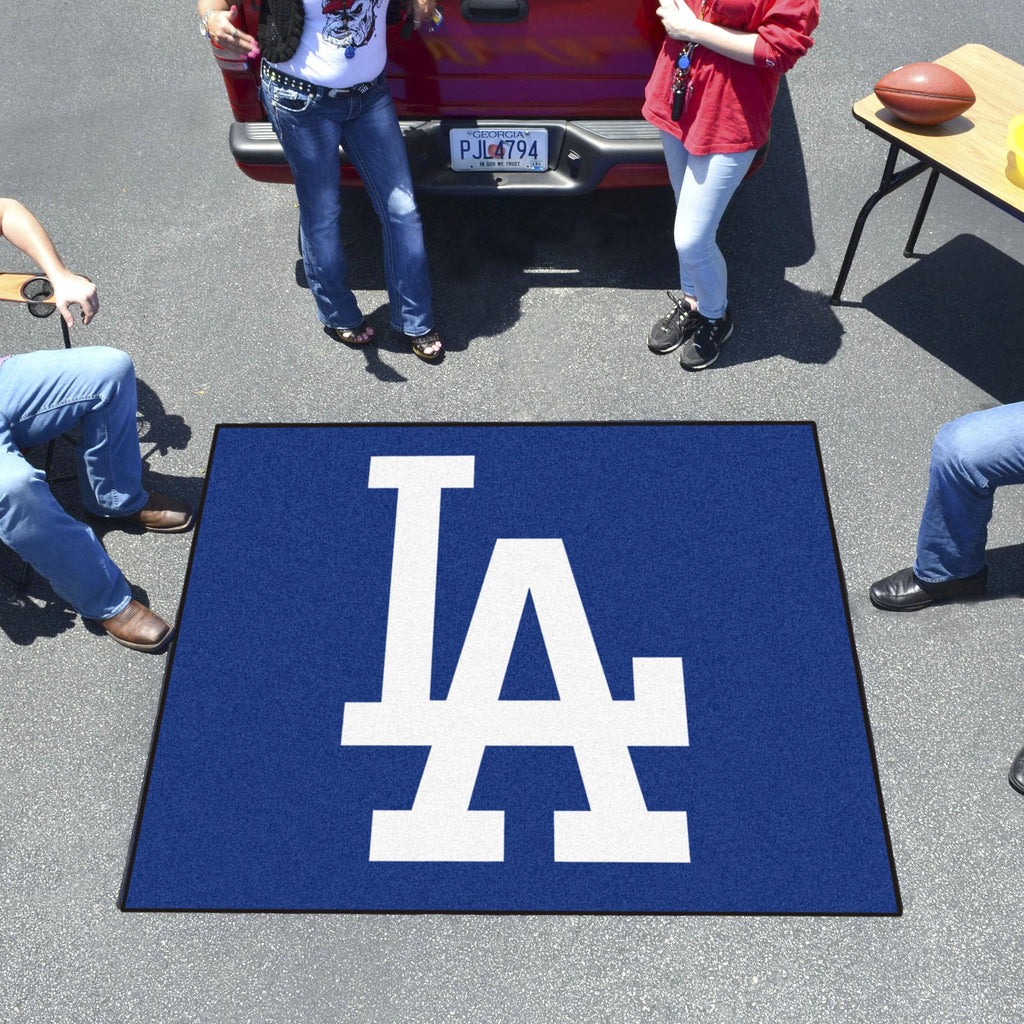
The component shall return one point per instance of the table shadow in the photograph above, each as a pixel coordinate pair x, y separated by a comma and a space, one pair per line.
964, 304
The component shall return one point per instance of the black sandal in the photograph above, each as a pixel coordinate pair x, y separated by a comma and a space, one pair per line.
421, 343
350, 335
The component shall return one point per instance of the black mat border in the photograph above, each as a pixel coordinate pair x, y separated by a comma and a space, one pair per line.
126, 879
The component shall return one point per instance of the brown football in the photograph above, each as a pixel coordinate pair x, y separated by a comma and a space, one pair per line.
924, 93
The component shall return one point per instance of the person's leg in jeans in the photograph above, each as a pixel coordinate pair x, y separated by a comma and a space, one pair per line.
61, 549
42, 395
310, 135
703, 186
971, 457
45, 394
374, 143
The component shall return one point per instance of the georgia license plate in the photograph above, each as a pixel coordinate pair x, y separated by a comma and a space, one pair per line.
499, 149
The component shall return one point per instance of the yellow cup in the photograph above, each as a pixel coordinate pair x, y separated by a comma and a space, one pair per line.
1015, 158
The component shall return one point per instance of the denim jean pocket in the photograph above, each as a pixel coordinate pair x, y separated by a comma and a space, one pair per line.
288, 100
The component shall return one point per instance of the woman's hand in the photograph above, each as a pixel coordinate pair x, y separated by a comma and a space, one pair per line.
679, 21
223, 29
420, 11
682, 24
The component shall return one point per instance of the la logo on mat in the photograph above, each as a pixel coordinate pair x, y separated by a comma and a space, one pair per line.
439, 826
441, 668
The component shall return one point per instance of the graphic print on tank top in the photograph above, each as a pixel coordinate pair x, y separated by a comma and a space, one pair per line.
350, 23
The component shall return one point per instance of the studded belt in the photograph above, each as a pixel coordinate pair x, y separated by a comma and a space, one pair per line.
271, 74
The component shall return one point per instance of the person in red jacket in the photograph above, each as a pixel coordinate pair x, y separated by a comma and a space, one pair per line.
711, 95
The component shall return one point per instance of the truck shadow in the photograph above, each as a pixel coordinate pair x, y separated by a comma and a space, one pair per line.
487, 253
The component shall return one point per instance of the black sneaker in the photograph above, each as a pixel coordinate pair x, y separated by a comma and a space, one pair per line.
672, 330
706, 342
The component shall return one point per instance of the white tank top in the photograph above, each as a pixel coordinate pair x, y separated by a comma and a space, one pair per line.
342, 43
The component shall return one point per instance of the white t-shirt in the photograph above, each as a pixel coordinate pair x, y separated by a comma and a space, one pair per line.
342, 43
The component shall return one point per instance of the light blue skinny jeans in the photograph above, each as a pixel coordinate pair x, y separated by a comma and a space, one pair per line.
703, 186
971, 457
46, 394
310, 129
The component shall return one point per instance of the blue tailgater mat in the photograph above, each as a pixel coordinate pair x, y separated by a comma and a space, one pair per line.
562, 668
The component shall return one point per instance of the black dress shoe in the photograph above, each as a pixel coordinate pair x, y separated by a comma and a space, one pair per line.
904, 592
1017, 771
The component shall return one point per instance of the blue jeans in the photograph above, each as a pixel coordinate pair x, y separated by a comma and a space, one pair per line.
311, 128
971, 457
703, 186
43, 395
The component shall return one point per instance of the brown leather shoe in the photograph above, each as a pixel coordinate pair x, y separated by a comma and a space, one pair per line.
162, 514
137, 627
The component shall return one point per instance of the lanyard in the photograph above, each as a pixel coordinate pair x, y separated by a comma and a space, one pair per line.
682, 71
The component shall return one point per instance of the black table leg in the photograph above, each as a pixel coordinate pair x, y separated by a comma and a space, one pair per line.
929, 191
891, 180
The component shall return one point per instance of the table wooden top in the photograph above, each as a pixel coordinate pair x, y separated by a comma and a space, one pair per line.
971, 147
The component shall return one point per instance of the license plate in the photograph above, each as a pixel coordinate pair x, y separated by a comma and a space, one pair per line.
499, 149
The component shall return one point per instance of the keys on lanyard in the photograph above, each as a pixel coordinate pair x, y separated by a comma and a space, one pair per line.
682, 70
679, 77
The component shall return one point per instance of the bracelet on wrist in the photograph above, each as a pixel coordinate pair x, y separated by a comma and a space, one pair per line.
204, 30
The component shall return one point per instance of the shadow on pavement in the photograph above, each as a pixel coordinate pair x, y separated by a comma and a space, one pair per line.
29, 616
157, 427
766, 230
964, 304
1005, 571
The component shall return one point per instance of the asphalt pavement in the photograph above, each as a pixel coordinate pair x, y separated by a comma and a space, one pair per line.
113, 130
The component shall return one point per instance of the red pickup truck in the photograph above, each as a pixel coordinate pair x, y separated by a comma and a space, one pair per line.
525, 96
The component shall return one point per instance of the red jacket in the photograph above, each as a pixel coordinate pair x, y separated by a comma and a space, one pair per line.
728, 104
